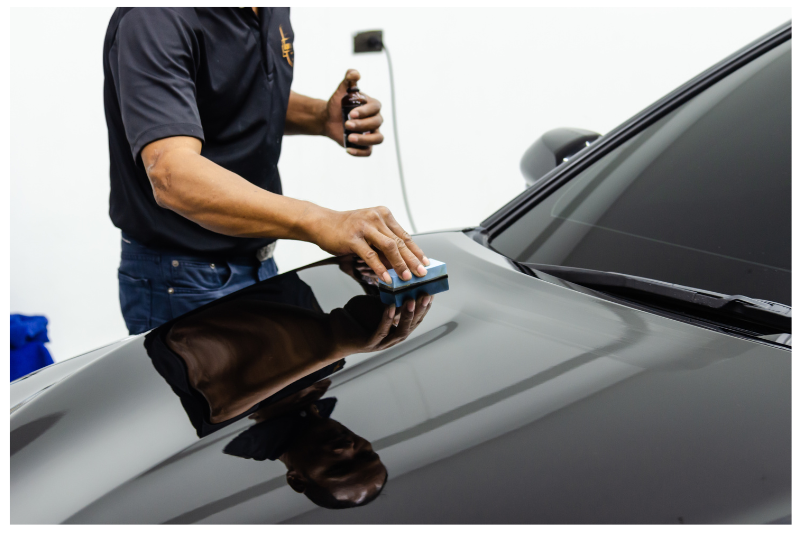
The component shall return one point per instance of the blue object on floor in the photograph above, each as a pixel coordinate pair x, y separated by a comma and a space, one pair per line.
28, 353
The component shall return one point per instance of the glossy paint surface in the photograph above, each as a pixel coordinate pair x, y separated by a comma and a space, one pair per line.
515, 400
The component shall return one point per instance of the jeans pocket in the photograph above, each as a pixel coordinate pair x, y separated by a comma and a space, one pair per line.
187, 298
135, 299
192, 276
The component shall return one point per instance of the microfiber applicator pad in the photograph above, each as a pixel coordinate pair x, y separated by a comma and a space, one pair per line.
436, 269
398, 298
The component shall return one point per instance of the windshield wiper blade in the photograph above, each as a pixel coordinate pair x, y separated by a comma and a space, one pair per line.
751, 314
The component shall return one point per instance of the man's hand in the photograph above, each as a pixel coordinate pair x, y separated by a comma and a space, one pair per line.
365, 118
373, 235
314, 116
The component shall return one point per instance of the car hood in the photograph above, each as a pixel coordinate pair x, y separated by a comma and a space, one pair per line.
515, 400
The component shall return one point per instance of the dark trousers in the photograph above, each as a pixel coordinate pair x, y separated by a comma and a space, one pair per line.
157, 286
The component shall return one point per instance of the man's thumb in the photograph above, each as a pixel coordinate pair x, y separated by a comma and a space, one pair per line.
351, 77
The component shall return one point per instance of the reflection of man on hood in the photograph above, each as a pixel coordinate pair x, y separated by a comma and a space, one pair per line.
331, 465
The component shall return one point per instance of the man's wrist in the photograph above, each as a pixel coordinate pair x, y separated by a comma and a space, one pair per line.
310, 221
318, 111
306, 115
323, 117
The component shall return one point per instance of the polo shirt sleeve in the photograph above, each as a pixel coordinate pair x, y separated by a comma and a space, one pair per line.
157, 61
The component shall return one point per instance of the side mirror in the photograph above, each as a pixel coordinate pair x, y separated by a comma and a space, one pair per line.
552, 149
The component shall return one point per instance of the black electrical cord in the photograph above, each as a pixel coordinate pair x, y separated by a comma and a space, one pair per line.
396, 138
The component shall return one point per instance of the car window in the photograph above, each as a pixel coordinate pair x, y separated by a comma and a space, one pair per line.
701, 198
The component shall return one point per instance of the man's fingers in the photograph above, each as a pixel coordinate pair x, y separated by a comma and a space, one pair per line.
362, 249
403, 325
406, 320
369, 124
352, 75
383, 329
423, 305
384, 259
389, 247
413, 262
359, 152
373, 138
403, 239
371, 108
368, 235
406, 237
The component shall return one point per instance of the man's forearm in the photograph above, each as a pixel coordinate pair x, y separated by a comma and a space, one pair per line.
222, 201
305, 115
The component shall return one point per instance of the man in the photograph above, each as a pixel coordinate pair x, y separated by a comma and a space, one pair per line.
197, 101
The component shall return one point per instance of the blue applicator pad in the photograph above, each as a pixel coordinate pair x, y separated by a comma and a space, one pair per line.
436, 269
398, 298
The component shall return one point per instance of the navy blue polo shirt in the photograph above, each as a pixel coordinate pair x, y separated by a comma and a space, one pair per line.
221, 75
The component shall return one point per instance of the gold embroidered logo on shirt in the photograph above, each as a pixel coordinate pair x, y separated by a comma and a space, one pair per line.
286, 47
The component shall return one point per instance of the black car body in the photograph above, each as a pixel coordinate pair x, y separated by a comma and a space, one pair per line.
523, 395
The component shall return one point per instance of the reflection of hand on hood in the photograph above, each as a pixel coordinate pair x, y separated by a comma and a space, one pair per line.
358, 270
365, 324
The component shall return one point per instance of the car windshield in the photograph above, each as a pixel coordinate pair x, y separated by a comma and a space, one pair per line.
701, 198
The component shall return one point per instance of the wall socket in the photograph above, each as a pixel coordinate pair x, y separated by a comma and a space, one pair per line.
370, 41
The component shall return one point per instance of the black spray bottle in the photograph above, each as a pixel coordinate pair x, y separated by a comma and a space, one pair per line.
352, 99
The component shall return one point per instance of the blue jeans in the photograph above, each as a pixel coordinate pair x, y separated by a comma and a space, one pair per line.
157, 286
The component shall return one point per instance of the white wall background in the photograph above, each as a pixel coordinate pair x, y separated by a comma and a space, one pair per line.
475, 87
